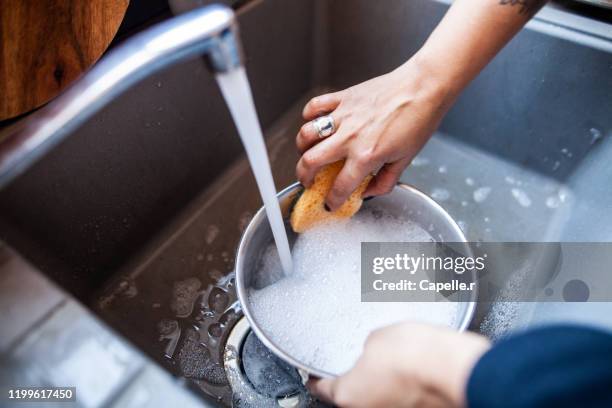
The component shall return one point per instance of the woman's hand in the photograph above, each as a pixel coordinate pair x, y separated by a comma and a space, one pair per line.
380, 125
407, 365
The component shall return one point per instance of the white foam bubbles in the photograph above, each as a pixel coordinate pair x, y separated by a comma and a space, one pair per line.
315, 314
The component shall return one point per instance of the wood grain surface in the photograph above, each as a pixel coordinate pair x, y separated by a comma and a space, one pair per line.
47, 44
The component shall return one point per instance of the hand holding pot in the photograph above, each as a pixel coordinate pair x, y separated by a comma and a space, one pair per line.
407, 365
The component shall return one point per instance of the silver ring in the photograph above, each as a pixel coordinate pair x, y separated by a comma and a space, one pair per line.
324, 125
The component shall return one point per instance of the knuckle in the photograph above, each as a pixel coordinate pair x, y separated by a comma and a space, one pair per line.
365, 157
306, 129
315, 102
308, 160
301, 144
350, 136
299, 172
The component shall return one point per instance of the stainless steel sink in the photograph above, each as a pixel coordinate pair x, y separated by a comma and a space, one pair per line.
139, 213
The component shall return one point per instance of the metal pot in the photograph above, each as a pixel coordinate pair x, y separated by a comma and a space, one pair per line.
258, 236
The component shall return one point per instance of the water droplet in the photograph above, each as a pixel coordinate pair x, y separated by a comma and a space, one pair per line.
212, 231
481, 194
521, 197
440, 194
218, 300
215, 330
596, 135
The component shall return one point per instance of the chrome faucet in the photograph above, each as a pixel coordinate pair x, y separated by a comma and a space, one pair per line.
209, 31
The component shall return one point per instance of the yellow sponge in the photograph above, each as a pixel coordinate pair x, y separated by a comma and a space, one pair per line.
309, 209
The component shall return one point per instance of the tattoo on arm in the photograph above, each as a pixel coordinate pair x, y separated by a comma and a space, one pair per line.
527, 7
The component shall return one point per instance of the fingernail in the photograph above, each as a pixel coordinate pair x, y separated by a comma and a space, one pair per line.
327, 207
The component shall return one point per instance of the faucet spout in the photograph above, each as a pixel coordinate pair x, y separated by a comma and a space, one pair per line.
226, 54
210, 31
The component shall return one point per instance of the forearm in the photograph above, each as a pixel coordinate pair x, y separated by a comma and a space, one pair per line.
471, 33
381, 124
558, 366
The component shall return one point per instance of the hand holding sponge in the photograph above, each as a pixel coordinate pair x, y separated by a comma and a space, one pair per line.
310, 207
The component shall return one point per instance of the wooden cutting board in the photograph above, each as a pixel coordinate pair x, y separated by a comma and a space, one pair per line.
47, 44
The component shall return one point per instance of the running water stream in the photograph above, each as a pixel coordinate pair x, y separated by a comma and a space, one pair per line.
237, 93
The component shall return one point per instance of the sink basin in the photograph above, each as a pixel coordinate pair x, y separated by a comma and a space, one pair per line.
139, 213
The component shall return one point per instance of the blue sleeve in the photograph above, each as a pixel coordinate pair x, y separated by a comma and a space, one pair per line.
558, 366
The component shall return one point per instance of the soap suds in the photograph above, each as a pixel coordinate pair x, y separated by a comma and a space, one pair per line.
316, 314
